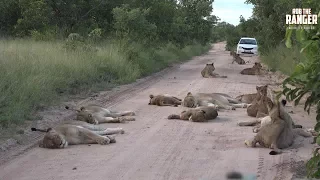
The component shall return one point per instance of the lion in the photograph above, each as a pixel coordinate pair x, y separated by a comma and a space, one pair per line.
217, 100
279, 133
199, 114
238, 59
246, 98
95, 114
164, 100
76, 132
259, 122
257, 108
255, 70
207, 72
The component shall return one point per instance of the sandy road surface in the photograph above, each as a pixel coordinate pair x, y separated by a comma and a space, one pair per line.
156, 148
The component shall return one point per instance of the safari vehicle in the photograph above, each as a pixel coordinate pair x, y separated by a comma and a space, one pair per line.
247, 45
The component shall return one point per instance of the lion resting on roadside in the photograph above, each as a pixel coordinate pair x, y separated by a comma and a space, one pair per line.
217, 100
207, 72
94, 114
278, 134
76, 132
246, 98
164, 100
199, 114
255, 70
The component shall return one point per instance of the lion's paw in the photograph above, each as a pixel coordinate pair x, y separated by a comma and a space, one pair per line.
112, 139
247, 143
233, 108
103, 140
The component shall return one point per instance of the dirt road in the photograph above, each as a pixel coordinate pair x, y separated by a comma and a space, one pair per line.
154, 147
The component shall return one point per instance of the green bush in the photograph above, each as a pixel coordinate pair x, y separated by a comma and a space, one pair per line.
37, 73
283, 59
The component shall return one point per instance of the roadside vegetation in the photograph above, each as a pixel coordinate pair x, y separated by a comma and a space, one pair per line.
52, 49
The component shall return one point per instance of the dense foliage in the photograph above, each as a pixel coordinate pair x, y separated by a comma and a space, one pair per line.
181, 22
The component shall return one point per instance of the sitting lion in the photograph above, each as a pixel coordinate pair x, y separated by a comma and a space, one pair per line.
217, 100
259, 122
76, 132
207, 72
255, 70
199, 114
258, 108
164, 100
278, 134
96, 115
238, 59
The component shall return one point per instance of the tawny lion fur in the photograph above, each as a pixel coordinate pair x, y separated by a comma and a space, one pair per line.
94, 114
77, 132
217, 100
207, 72
255, 70
199, 114
278, 133
238, 59
164, 100
258, 108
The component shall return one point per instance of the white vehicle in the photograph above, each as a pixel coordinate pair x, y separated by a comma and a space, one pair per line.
247, 45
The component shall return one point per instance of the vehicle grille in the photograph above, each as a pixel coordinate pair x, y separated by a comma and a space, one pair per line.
247, 48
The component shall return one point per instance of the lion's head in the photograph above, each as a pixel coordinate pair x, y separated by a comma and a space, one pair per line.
262, 90
198, 116
210, 67
84, 115
189, 101
152, 100
257, 65
53, 140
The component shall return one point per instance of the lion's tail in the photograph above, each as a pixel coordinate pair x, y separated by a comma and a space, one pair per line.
302, 132
40, 130
174, 116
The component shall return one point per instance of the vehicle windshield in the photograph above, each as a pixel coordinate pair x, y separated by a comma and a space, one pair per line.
248, 41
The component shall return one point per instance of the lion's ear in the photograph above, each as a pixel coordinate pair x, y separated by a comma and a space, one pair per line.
189, 93
256, 63
257, 88
151, 96
203, 111
82, 108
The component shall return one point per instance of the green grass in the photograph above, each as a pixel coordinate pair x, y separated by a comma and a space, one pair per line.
283, 59
36, 74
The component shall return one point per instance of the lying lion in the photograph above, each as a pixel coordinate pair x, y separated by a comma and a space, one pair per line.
246, 98
217, 100
164, 100
199, 114
207, 72
278, 134
255, 70
96, 115
76, 132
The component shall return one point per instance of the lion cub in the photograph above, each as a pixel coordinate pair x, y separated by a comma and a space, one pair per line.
207, 72
255, 70
199, 114
76, 132
164, 100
